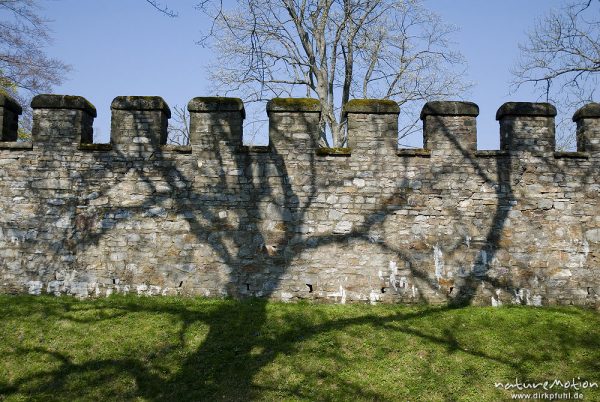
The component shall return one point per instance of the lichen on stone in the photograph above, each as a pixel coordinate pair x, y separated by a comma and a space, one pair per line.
426, 153
294, 105
141, 103
373, 106
216, 104
95, 147
335, 151
51, 101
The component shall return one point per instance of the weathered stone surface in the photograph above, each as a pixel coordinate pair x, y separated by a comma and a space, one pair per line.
60, 121
293, 105
588, 127
216, 104
527, 127
525, 109
139, 122
16, 145
141, 103
591, 110
334, 151
372, 106
593, 235
216, 123
450, 127
443, 224
294, 127
45, 101
449, 108
374, 123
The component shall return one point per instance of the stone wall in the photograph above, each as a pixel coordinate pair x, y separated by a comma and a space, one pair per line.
295, 221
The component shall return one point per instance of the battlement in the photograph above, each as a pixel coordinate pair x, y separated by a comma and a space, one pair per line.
293, 220
294, 124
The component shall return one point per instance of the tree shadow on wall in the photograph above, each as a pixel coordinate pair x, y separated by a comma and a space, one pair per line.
224, 365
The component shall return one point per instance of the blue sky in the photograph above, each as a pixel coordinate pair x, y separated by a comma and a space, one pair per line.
125, 47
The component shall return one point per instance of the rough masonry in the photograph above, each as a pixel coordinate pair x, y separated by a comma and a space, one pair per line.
291, 220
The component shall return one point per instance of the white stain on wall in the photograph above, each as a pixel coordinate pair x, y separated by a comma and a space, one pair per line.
393, 274
34, 287
496, 302
373, 297
438, 261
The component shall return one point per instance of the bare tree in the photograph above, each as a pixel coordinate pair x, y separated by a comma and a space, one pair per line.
179, 126
163, 8
25, 69
561, 59
334, 50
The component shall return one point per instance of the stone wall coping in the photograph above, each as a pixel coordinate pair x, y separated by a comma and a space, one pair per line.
571, 155
258, 149
491, 153
308, 105
51, 101
175, 148
95, 147
589, 111
141, 103
449, 108
419, 152
207, 104
339, 151
16, 145
372, 106
525, 109
9, 103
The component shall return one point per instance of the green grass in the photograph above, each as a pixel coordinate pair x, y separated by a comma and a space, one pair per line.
137, 348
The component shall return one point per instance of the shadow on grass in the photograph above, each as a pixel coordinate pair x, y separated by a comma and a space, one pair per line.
324, 352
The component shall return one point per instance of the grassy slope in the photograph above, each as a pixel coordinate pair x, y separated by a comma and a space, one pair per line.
130, 348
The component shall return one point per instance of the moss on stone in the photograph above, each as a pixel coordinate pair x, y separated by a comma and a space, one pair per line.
261, 149
372, 106
141, 103
219, 100
180, 149
294, 105
371, 102
95, 147
336, 151
571, 155
449, 108
425, 153
526, 109
590, 111
216, 104
16, 145
491, 153
51, 101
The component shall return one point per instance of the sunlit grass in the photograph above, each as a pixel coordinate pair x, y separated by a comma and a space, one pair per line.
132, 348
